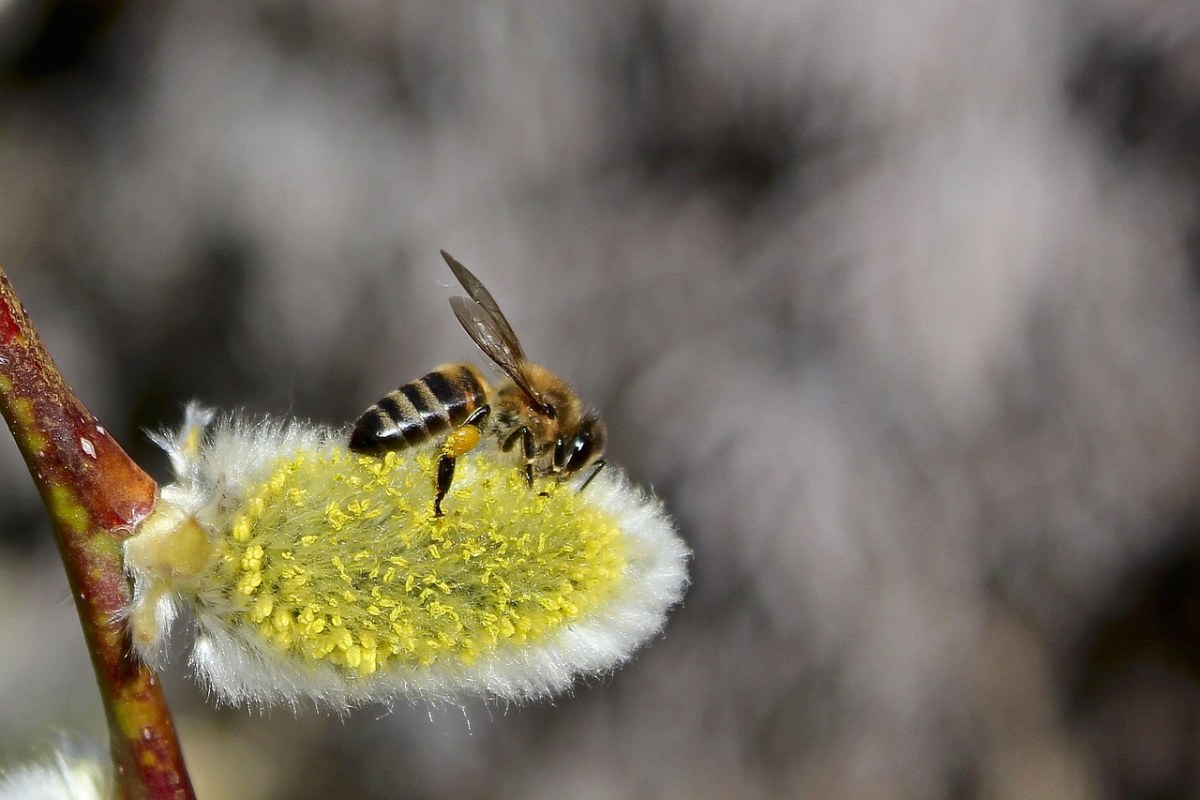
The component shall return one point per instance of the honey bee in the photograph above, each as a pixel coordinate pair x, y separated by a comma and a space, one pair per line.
535, 408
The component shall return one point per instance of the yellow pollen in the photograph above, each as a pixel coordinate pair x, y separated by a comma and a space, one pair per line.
337, 558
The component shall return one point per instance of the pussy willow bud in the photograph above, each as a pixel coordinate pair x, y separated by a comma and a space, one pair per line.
315, 573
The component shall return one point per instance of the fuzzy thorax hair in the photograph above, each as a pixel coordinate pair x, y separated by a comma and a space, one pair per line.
314, 572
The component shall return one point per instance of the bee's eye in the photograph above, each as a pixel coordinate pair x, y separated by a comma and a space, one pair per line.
583, 448
576, 453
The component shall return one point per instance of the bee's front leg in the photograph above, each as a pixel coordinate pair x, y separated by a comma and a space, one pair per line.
461, 440
527, 449
599, 466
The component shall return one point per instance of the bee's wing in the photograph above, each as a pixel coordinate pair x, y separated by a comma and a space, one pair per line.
481, 327
497, 324
494, 341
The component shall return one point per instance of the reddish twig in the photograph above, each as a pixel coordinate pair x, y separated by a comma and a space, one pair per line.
95, 496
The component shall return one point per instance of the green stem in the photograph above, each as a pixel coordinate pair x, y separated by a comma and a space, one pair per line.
95, 496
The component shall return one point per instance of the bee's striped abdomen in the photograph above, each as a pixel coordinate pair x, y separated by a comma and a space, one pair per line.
420, 411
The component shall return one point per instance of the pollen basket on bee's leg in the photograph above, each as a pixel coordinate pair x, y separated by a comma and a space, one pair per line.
331, 578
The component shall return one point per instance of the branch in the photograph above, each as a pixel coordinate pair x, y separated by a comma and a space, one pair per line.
95, 496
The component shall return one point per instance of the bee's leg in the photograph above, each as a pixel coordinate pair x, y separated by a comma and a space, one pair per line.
599, 466
527, 449
445, 476
461, 440
511, 442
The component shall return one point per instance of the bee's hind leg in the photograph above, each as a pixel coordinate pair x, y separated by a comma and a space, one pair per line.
461, 440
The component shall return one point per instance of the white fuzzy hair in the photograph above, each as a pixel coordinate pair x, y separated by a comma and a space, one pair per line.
68, 775
235, 454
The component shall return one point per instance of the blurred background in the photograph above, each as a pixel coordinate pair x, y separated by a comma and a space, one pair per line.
896, 305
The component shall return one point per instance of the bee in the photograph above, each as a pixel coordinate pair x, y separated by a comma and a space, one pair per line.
534, 408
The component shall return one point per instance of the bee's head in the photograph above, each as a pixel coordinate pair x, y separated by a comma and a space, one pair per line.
584, 447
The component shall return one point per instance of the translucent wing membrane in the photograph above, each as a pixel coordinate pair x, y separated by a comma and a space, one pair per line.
488, 305
484, 322
481, 327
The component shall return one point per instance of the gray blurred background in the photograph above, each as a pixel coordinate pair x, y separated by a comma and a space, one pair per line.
895, 304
